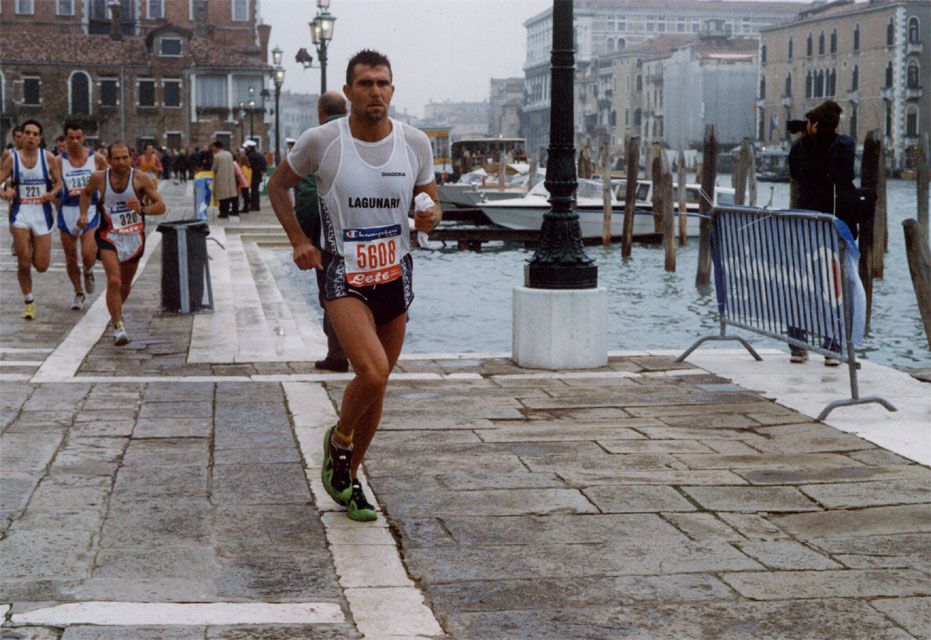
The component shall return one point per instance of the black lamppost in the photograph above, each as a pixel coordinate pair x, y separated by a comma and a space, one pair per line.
321, 32
251, 109
279, 80
242, 116
560, 261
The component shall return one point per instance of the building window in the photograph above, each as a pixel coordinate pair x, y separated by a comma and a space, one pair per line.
173, 140
889, 118
809, 48
808, 84
155, 9
621, 43
25, 7
889, 75
64, 8
240, 10
762, 88
241, 86
763, 53
108, 92
626, 116
821, 43
637, 117
610, 45
761, 134
855, 78
170, 47
833, 83
834, 40
911, 122
789, 84
2, 89
211, 91
856, 37
912, 75
79, 95
639, 83
661, 28
853, 122
789, 54
649, 26
913, 30
31, 95
147, 93
172, 93
890, 31
622, 26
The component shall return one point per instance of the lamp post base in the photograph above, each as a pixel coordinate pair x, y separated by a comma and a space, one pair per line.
560, 329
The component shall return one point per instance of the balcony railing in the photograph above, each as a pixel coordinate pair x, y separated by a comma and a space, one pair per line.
912, 93
913, 46
886, 93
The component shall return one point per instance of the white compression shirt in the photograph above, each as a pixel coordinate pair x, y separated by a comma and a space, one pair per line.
318, 151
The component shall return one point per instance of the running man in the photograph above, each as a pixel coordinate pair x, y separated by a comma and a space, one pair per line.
76, 164
149, 163
126, 197
368, 167
36, 183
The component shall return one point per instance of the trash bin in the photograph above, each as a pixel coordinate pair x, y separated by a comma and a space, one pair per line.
186, 284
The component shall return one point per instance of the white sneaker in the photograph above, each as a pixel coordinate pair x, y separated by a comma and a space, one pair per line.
89, 281
78, 303
119, 335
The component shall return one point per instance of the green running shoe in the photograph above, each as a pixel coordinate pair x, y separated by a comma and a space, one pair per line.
358, 507
335, 471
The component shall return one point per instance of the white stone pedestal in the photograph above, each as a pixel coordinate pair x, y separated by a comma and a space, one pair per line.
560, 328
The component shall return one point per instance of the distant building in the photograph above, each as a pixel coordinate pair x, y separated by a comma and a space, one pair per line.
869, 57
167, 72
298, 113
605, 27
504, 107
465, 119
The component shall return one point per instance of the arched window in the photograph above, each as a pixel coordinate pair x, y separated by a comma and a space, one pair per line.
789, 53
79, 96
762, 87
763, 53
819, 84
889, 75
639, 82
856, 37
821, 43
911, 121
890, 31
913, 30
789, 84
853, 121
808, 84
855, 78
637, 117
834, 40
833, 82
621, 43
911, 76
809, 46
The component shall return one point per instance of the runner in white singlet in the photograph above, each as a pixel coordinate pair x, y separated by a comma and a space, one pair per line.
368, 169
76, 165
127, 196
35, 185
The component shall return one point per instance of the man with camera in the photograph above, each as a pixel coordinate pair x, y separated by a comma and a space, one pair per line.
821, 163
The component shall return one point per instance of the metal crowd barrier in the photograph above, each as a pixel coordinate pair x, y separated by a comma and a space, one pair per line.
784, 275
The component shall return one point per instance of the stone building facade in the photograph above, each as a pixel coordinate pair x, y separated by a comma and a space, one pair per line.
606, 27
870, 57
465, 119
172, 72
504, 107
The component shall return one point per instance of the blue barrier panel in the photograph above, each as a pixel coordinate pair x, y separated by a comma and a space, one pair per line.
203, 194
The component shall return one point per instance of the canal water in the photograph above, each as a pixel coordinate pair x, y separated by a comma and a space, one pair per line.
463, 299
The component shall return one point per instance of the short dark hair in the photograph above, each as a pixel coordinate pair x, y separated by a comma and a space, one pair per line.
29, 122
18, 128
117, 143
217, 144
369, 58
331, 104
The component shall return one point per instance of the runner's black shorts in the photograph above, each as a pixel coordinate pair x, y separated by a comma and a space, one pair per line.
386, 301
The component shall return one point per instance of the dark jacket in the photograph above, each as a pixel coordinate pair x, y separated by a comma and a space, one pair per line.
306, 203
258, 164
819, 165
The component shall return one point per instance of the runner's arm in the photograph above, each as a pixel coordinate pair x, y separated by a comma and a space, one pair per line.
6, 170
428, 220
100, 162
156, 206
87, 193
54, 169
284, 179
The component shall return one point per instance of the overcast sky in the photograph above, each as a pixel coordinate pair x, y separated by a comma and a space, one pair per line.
439, 49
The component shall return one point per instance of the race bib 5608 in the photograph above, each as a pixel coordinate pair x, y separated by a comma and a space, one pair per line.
372, 254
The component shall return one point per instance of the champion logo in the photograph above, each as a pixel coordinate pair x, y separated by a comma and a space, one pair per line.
393, 174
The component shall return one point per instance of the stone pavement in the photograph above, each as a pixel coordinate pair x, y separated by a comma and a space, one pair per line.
146, 493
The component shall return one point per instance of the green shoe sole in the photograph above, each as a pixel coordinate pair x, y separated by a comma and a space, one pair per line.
326, 475
360, 515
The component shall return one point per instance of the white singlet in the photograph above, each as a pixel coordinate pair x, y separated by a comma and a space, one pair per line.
27, 210
121, 229
75, 178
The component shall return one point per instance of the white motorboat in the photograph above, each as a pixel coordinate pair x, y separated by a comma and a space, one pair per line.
527, 212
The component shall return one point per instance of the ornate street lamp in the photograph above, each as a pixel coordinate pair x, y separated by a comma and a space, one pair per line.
276, 56
321, 32
279, 80
560, 261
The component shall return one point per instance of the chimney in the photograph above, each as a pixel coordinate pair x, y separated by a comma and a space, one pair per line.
265, 31
116, 31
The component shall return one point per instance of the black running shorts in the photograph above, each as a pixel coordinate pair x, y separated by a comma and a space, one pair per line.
386, 301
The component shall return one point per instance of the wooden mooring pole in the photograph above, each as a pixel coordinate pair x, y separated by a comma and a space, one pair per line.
709, 174
656, 177
751, 176
606, 194
632, 157
869, 178
880, 230
741, 171
663, 203
923, 178
683, 198
919, 265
